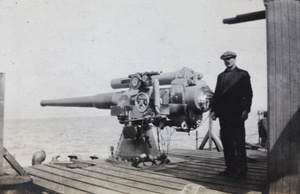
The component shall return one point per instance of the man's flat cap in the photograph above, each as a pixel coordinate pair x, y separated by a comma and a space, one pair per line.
228, 54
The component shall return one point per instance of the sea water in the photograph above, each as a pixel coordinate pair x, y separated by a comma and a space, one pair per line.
90, 136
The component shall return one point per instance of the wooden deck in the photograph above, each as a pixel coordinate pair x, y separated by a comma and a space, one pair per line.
196, 167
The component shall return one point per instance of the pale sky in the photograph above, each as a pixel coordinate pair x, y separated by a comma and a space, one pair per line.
68, 48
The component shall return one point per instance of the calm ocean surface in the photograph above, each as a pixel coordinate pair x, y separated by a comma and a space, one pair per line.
88, 136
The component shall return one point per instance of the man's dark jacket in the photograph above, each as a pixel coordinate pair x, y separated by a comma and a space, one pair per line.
231, 99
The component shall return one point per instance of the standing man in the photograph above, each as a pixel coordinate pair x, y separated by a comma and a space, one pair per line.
231, 104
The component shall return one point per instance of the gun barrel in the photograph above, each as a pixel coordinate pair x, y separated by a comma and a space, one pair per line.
101, 101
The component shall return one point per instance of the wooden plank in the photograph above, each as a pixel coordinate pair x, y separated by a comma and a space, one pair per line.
102, 179
138, 172
125, 180
200, 172
14, 164
282, 109
165, 179
254, 180
69, 182
54, 187
205, 153
223, 188
191, 156
283, 136
7, 180
262, 167
298, 91
293, 138
213, 169
218, 182
262, 156
261, 163
2, 90
195, 157
278, 96
271, 69
160, 184
261, 170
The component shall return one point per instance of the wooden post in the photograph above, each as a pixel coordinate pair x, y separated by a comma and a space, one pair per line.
2, 89
10, 182
283, 58
197, 140
210, 134
211, 138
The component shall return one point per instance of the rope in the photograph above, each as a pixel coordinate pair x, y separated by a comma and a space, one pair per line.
164, 143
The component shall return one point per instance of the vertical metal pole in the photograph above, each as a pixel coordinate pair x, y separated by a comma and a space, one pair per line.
209, 133
197, 140
258, 113
2, 89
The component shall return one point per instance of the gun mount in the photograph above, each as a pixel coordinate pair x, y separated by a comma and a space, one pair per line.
177, 99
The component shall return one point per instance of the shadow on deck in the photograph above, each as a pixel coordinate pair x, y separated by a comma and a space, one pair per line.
202, 167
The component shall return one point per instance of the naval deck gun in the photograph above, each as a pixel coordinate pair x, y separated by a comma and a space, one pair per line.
151, 99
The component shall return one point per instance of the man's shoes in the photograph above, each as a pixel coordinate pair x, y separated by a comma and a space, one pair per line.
227, 172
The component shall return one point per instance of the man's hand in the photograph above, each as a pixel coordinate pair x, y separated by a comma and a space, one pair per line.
244, 115
213, 115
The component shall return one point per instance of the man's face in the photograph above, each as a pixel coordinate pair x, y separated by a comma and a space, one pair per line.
229, 62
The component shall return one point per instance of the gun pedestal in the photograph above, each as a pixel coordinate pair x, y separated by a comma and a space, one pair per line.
132, 145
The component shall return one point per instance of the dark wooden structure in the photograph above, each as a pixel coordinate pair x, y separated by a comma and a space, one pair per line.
198, 168
2, 89
283, 56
